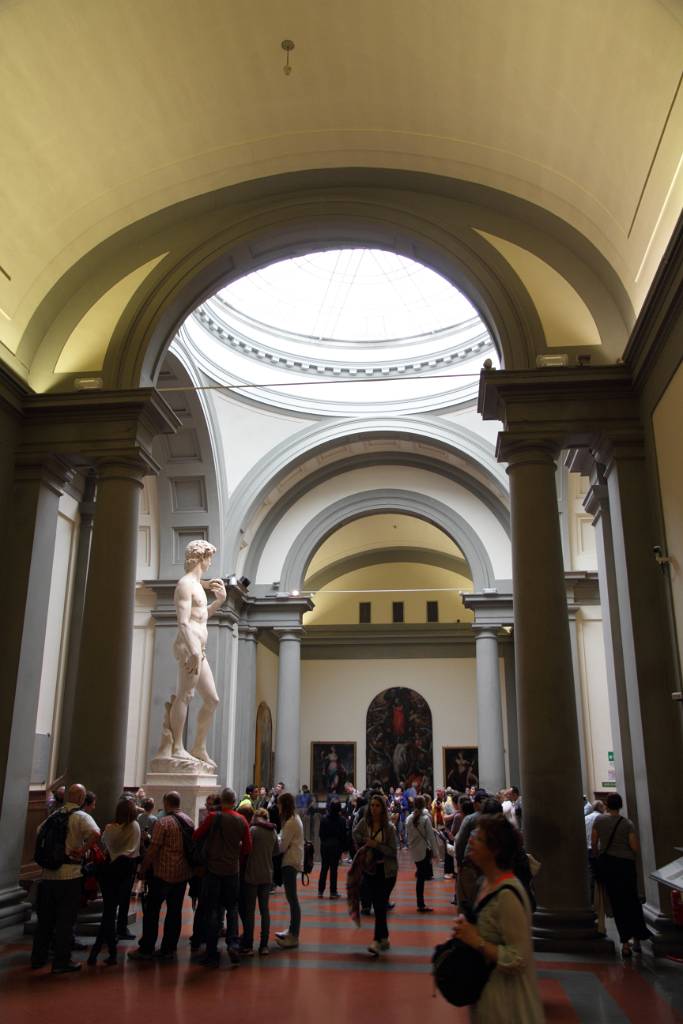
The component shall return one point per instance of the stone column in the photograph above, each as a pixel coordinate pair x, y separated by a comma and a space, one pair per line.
572, 610
98, 737
489, 710
649, 665
550, 765
87, 514
28, 552
511, 712
288, 725
245, 707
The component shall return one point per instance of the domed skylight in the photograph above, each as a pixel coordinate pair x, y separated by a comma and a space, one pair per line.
343, 332
350, 295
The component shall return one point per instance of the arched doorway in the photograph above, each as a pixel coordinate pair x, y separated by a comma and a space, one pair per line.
399, 739
263, 769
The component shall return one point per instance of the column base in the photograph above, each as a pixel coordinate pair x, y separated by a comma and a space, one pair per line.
569, 931
667, 936
193, 789
14, 906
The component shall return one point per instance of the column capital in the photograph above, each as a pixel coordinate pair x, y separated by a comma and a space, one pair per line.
246, 632
486, 631
127, 466
596, 501
289, 633
520, 450
610, 450
51, 470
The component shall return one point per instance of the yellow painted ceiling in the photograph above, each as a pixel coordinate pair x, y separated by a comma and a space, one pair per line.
112, 111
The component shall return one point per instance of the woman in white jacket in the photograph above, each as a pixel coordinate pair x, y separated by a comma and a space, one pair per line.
292, 850
423, 846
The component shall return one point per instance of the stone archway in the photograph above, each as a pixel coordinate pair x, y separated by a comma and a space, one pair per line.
398, 740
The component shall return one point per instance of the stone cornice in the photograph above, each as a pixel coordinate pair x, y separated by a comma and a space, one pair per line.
567, 407
88, 426
13, 391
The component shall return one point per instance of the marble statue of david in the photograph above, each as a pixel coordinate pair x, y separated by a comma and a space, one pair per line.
194, 671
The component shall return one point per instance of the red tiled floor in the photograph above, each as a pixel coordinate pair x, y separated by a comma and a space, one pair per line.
329, 978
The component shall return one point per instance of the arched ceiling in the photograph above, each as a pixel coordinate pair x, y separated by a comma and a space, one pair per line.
117, 113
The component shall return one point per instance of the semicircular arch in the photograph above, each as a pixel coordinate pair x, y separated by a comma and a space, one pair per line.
378, 502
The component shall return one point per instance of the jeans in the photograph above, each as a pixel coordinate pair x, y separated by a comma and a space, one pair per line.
379, 888
251, 893
423, 870
159, 891
220, 891
115, 880
58, 903
289, 881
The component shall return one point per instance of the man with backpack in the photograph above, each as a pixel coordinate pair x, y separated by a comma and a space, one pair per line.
61, 842
169, 869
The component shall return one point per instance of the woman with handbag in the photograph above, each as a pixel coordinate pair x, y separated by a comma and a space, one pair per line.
423, 847
502, 932
121, 841
615, 846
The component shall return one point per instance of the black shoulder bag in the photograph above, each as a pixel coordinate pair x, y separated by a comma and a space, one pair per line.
601, 866
461, 972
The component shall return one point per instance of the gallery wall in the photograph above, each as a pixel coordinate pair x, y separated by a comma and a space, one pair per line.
335, 696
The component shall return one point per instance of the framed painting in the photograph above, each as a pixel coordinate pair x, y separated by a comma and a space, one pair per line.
333, 763
398, 740
460, 767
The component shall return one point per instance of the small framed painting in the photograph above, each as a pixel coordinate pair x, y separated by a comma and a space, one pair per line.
460, 767
332, 765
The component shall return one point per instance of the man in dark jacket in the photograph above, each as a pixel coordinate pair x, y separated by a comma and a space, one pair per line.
332, 845
227, 841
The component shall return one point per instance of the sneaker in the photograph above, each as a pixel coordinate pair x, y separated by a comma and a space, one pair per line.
449, 876
246, 952
334, 895
384, 944
288, 941
263, 951
66, 968
374, 949
234, 956
281, 935
425, 910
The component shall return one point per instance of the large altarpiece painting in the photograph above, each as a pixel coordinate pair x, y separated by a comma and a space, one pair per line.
399, 739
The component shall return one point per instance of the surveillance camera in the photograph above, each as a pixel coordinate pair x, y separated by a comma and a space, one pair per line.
657, 549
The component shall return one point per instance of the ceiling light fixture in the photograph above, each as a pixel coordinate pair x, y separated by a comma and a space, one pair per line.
287, 45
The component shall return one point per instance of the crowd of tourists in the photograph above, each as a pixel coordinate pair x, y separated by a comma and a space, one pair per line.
239, 851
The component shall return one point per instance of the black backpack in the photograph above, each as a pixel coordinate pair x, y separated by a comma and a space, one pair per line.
50, 849
461, 972
309, 855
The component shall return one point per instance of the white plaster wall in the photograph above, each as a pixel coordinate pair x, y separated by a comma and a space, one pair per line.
148, 531
335, 696
140, 688
583, 553
57, 627
470, 418
266, 680
593, 673
248, 433
667, 423
404, 478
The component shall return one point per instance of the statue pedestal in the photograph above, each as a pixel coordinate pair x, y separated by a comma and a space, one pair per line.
193, 789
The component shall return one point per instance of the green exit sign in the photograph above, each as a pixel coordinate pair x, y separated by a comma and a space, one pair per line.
610, 755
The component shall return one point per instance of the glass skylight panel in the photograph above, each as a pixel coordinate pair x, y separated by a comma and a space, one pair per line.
352, 295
